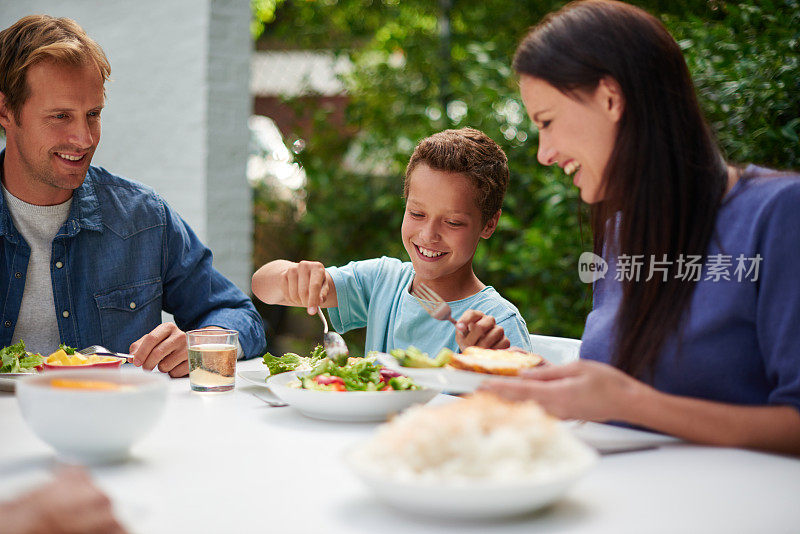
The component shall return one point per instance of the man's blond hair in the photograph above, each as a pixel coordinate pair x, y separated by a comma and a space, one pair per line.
37, 38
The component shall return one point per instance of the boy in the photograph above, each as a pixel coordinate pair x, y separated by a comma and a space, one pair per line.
454, 188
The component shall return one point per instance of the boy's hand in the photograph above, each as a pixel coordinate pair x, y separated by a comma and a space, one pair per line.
477, 329
306, 284
287, 283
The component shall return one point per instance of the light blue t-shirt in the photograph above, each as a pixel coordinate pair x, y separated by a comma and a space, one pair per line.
375, 293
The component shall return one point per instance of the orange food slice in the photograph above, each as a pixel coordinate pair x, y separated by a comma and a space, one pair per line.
98, 385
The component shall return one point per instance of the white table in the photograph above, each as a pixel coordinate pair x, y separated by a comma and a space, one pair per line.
230, 463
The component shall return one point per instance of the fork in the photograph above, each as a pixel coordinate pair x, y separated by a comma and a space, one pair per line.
433, 303
99, 349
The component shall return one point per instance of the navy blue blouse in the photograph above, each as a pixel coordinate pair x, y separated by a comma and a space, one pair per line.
741, 338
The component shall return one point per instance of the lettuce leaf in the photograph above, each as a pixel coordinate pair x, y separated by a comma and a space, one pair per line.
14, 359
293, 362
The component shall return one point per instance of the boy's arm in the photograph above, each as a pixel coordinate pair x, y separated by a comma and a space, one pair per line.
306, 284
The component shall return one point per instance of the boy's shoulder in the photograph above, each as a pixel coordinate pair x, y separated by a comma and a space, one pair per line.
490, 301
383, 264
375, 272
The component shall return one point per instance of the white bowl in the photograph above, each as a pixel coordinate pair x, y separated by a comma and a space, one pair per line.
474, 499
92, 426
351, 406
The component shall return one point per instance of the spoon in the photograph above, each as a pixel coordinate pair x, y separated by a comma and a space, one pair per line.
335, 347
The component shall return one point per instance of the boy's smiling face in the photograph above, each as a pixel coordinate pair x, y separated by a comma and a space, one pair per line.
441, 229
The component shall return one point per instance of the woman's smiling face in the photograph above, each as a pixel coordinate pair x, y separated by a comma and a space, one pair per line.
578, 132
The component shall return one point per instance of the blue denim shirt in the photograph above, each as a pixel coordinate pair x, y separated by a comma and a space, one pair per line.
121, 257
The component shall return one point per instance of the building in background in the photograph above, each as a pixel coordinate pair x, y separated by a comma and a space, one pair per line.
311, 77
177, 108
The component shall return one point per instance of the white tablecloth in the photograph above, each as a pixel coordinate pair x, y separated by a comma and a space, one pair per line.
230, 463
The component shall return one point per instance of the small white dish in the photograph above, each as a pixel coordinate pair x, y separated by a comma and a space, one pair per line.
92, 425
258, 378
348, 406
444, 378
478, 499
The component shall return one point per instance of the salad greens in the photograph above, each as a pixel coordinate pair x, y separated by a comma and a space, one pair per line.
15, 359
413, 357
66, 348
361, 375
294, 362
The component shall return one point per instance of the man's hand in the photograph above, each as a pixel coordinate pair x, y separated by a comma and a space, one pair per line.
164, 347
69, 504
477, 329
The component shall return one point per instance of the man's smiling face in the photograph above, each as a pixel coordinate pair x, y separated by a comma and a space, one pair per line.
50, 143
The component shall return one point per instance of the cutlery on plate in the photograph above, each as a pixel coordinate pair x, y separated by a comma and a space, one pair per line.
435, 305
102, 351
335, 347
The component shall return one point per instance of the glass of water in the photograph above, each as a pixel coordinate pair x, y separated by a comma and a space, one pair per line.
212, 359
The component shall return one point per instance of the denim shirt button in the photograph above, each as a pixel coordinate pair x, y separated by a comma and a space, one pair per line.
7, 324
132, 305
65, 314
17, 275
59, 265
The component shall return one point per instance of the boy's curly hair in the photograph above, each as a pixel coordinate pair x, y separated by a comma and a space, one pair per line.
469, 152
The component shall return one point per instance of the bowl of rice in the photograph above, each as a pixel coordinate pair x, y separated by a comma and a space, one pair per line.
480, 457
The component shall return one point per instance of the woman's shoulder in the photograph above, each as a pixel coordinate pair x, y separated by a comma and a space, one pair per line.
761, 186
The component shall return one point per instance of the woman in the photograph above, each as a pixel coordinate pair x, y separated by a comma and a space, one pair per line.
711, 355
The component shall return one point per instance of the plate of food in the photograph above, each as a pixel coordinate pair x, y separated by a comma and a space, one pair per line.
360, 391
458, 372
16, 362
68, 358
477, 458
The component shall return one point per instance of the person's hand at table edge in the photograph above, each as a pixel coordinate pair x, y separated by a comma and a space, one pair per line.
70, 503
164, 347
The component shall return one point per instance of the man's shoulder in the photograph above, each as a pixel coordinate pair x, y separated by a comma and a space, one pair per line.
110, 183
127, 206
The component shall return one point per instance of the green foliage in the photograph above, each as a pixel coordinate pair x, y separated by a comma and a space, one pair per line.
408, 83
746, 68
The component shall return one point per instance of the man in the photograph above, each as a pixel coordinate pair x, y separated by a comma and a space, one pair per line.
87, 257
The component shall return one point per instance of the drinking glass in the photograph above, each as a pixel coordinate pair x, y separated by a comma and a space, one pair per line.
212, 359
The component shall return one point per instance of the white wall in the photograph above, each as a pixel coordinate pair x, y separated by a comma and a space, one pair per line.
177, 107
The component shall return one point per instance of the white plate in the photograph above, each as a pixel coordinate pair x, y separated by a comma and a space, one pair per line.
351, 406
444, 378
259, 378
8, 381
480, 499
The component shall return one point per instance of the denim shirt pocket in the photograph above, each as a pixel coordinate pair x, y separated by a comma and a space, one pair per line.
128, 312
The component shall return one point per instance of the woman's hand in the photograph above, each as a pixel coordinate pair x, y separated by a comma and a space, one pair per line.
586, 390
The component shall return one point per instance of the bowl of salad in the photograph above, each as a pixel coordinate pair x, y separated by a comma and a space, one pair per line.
16, 362
360, 391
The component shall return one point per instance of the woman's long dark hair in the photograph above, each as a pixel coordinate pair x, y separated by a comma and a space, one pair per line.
665, 177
